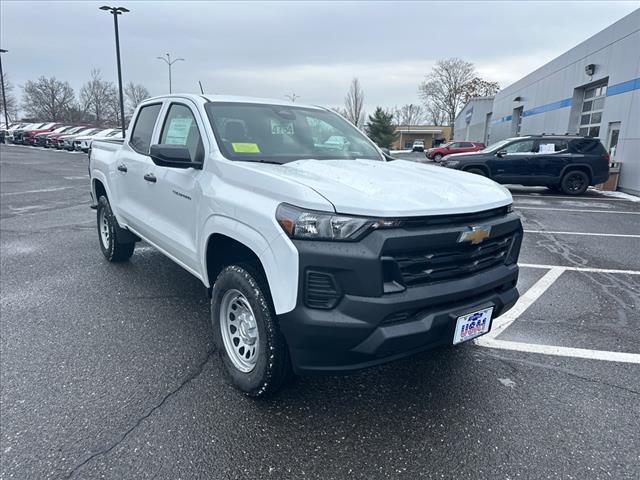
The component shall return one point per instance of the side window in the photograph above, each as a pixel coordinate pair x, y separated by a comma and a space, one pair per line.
180, 128
455, 145
467, 145
525, 146
143, 129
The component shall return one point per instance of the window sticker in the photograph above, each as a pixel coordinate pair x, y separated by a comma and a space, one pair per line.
547, 148
178, 131
281, 128
245, 147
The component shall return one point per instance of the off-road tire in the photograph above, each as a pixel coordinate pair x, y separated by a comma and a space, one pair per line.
112, 245
273, 367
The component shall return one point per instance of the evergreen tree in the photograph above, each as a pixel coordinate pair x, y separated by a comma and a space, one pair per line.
380, 128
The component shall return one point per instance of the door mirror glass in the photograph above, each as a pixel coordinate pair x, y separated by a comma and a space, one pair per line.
173, 156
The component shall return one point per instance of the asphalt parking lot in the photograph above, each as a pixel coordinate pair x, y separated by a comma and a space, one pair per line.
107, 371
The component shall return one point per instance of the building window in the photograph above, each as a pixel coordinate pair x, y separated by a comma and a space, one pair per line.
591, 112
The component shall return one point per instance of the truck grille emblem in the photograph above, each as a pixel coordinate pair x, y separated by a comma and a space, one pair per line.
476, 235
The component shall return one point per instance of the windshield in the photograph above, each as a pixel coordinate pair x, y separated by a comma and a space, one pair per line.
494, 147
281, 134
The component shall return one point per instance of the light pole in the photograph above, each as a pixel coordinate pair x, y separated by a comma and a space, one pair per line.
170, 62
115, 11
4, 98
293, 97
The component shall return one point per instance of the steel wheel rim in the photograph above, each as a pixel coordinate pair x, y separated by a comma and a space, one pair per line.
103, 226
239, 330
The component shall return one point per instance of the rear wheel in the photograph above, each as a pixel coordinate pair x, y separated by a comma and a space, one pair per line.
477, 171
110, 234
575, 182
246, 332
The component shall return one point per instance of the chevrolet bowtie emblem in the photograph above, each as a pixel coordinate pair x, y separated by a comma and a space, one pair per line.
476, 235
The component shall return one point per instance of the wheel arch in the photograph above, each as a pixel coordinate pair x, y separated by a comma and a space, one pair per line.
581, 167
479, 166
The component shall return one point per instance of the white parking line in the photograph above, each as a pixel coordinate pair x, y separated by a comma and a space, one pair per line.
527, 299
580, 269
573, 199
524, 302
518, 207
43, 190
622, 235
562, 351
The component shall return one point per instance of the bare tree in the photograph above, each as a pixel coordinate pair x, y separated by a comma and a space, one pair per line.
134, 93
434, 115
478, 87
354, 104
47, 98
97, 97
12, 104
409, 114
444, 88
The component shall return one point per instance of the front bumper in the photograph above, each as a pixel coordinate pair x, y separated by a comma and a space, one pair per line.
377, 320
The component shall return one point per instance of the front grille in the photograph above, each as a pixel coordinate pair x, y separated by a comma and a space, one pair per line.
321, 290
419, 267
419, 222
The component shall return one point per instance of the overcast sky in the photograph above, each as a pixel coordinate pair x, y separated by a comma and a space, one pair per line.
312, 49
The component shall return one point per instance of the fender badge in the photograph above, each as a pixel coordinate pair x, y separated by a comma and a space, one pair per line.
476, 235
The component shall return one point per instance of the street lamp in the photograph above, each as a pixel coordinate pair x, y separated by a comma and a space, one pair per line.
4, 98
115, 11
170, 62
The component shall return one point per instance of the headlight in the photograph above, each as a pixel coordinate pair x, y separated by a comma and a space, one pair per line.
313, 225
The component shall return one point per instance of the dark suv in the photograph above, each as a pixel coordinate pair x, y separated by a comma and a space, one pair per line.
568, 163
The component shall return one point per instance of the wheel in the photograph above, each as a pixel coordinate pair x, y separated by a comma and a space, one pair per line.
437, 157
477, 171
112, 245
574, 182
246, 333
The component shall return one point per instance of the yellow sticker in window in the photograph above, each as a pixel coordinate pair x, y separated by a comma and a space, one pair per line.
245, 147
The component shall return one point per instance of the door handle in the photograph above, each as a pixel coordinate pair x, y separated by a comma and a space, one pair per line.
122, 168
150, 177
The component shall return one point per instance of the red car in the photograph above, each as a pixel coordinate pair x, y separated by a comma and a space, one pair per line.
453, 147
29, 136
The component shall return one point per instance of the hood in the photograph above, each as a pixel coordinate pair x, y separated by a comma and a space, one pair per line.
393, 189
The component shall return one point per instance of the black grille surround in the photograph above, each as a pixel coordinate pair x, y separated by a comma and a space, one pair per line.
431, 265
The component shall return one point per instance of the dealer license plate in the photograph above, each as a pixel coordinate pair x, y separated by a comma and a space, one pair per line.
472, 325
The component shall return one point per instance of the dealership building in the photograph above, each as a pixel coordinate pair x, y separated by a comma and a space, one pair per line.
593, 89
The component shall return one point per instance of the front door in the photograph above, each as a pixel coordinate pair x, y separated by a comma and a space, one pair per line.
177, 194
511, 165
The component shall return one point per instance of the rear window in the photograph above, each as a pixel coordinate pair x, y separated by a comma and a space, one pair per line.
587, 145
143, 129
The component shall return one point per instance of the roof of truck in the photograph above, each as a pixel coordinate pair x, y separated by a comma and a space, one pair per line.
199, 98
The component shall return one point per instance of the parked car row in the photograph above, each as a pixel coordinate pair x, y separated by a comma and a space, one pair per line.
56, 135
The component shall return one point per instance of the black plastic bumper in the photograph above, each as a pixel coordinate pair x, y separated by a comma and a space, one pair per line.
372, 324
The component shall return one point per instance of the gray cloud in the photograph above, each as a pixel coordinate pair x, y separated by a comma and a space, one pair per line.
310, 48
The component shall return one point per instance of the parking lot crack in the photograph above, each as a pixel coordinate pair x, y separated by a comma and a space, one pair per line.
137, 423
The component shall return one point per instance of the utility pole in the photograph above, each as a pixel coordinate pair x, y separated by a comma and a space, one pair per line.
4, 98
115, 11
170, 62
292, 97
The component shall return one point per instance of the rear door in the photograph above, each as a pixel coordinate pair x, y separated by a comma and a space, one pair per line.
551, 155
176, 195
133, 163
512, 166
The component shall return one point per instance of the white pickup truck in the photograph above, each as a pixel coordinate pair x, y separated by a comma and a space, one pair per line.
318, 258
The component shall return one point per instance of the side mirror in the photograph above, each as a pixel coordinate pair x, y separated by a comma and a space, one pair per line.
501, 153
173, 156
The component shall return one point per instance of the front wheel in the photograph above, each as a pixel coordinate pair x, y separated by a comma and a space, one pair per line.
246, 332
113, 247
437, 157
477, 171
575, 182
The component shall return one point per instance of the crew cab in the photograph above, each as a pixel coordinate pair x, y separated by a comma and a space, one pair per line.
440, 151
567, 163
317, 259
